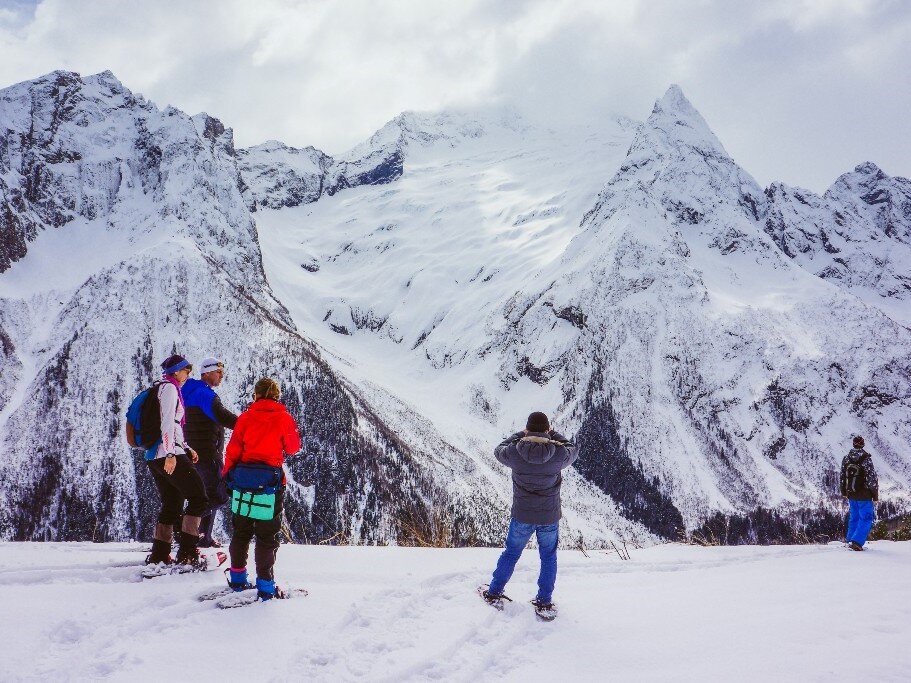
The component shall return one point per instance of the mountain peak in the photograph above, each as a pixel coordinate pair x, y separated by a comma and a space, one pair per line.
674, 100
680, 121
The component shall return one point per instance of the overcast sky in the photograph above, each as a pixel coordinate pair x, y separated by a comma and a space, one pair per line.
797, 90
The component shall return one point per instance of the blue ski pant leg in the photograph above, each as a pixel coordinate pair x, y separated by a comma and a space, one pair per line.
516, 540
852, 521
548, 536
862, 511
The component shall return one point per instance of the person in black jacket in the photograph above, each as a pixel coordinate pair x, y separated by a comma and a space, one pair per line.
537, 456
207, 419
860, 485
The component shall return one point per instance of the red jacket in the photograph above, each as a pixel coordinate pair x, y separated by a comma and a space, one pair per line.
264, 433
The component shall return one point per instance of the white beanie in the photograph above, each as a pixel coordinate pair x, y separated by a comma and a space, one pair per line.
210, 364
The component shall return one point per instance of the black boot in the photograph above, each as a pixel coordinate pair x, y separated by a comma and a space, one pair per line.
161, 552
188, 552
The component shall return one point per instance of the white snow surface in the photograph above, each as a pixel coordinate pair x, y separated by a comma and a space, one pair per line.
79, 611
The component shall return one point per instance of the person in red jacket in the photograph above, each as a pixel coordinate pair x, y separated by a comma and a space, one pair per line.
265, 433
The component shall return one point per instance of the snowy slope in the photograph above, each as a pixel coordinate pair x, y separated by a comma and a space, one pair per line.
404, 614
702, 368
857, 235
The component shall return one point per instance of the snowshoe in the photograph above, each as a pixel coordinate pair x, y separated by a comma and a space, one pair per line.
216, 594
492, 599
200, 563
545, 611
168, 560
249, 597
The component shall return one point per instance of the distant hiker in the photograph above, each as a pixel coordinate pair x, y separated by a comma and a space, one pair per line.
171, 464
264, 434
536, 457
860, 486
207, 419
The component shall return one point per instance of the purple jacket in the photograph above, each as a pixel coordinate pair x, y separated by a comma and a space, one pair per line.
536, 460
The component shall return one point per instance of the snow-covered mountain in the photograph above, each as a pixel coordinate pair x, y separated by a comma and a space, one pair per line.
133, 239
702, 369
419, 295
857, 235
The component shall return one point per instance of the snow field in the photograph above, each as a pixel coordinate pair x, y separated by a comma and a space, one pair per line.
78, 611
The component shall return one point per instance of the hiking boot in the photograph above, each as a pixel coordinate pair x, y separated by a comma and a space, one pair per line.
266, 589
855, 546
191, 559
492, 597
188, 553
495, 600
237, 579
547, 611
161, 553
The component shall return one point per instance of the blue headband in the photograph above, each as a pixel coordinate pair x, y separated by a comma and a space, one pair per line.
177, 366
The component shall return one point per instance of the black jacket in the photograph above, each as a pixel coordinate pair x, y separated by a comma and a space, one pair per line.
858, 478
536, 460
207, 419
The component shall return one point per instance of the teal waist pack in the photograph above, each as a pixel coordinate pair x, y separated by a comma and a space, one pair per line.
253, 488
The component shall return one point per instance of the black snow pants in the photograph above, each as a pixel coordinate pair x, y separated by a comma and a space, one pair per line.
268, 535
210, 473
183, 485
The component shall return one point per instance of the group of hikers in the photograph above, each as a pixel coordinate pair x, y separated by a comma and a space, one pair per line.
194, 482
192, 479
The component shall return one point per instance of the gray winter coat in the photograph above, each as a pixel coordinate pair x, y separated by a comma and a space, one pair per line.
536, 463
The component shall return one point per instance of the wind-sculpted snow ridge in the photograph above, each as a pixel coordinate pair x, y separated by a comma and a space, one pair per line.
857, 235
702, 369
140, 243
276, 175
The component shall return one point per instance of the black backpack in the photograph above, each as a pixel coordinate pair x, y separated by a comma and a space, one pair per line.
855, 476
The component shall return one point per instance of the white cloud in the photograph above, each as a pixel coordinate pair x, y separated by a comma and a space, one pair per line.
798, 91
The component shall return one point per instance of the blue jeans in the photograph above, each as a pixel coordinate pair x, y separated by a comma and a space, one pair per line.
860, 520
516, 539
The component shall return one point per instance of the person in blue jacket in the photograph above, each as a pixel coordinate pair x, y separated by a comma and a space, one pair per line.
207, 420
537, 456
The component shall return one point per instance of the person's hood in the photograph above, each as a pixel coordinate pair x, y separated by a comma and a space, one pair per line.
855, 454
536, 448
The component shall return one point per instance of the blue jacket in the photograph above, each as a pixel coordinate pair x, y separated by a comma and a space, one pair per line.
536, 460
206, 420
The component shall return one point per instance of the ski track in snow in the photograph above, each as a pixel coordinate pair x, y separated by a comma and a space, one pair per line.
404, 614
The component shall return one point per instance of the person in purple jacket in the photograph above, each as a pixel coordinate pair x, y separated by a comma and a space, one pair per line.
537, 456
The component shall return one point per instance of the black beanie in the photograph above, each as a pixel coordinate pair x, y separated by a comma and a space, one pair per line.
537, 422
858, 442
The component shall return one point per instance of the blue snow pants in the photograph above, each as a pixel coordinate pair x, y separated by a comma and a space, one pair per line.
516, 539
860, 520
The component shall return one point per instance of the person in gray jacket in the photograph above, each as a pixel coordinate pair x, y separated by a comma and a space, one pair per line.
536, 457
